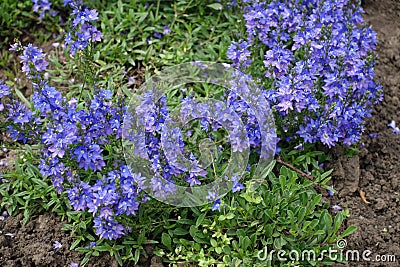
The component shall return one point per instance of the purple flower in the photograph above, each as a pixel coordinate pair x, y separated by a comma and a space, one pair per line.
80, 153
41, 6
92, 244
157, 35
279, 58
192, 180
91, 14
392, 125
4, 89
211, 196
237, 186
35, 56
336, 208
89, 32
373, 135
216, 205
83, 31
16, 46
321, 79
108, 228
127, 206
299, 147
167, 30
131, 80
330, 192
239, 53
57, 245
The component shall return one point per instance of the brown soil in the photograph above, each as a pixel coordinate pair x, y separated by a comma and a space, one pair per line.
379, 160
33, 244
376, 171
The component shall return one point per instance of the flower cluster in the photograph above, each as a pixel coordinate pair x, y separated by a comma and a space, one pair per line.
83, 31
157, 137
41, 6
18, 119
32, 58
239, 53
74, 139
318, 66
4, 90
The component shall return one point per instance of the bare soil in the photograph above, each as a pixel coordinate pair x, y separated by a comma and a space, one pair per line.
379, 160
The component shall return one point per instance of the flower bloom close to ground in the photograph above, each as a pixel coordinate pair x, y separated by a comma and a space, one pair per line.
317, 64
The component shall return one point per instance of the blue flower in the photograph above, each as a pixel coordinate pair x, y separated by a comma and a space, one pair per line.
167, 30
84, 32
192, 180
239, 53
392, 125
237, 186
35, 56
4, 89
216, 205
108, 228
336, 208
57, 245
41, 6
318, 67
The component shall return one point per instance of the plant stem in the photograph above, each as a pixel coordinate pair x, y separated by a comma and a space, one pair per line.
305, 175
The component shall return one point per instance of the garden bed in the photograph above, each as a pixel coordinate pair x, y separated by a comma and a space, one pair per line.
378, 166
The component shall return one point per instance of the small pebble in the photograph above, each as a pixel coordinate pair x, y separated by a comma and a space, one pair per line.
10, 235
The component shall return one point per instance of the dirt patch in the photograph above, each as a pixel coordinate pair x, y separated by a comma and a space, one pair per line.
379, 160
33, 244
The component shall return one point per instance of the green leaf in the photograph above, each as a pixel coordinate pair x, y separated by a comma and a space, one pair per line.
166, 241
180, 231
86, 258
319, 232
200, 219
348, 231
279, 242
22, 98
215, 6
118, 258
76, 242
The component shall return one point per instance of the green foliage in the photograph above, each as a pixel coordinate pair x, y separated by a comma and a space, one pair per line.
285, 215
23, 189
18, 21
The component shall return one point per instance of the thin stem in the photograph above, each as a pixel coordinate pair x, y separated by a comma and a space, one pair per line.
305, 175
158, 8
293, 168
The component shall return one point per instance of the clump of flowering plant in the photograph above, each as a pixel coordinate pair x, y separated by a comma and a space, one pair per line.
317, 66
78, 137
73, 141
75, 137
83, 33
